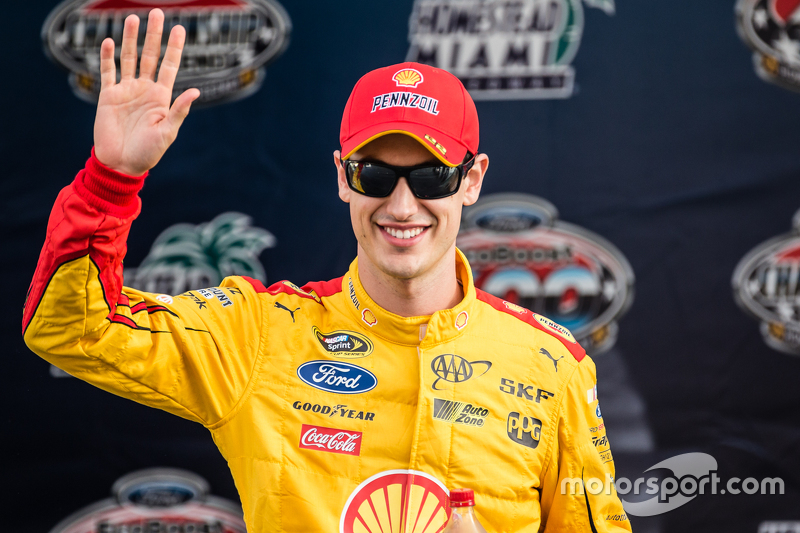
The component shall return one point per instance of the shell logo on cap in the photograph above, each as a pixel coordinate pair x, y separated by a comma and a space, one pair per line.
407, 77
369, 317
397, 501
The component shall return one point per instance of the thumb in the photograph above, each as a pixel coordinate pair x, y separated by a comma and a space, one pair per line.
180, 109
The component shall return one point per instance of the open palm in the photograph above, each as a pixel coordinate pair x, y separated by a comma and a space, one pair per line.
135, 124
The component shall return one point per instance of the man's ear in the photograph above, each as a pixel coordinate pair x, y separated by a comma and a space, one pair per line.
344, 189
473, 181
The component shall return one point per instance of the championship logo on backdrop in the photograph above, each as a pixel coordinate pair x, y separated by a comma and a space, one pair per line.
228, 42
157, 499
520, 252
772, 29
766, 284
502, 50
187, 257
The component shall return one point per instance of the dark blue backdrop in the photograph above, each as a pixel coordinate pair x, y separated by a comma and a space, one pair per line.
672, 149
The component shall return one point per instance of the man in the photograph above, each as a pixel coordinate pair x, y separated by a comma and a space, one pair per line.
351, 404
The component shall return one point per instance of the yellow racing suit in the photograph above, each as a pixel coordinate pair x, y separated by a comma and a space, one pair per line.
332, 413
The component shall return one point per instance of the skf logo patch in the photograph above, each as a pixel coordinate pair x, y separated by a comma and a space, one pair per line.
369, 317
525, 430
459, 412
345, 344
407, 77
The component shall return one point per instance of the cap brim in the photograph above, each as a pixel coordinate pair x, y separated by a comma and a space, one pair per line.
452, 156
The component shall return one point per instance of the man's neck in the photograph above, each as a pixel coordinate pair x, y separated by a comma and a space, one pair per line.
422, 295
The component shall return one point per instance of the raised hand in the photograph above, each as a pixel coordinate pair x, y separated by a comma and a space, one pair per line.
135, 124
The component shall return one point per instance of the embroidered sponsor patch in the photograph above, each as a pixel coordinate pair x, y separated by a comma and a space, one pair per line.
330, 440
455, 369
408, 77
405, 99
396, 500
525, 430
216, 292
369, 317
339, 377
346, 344
459, 412
331, 411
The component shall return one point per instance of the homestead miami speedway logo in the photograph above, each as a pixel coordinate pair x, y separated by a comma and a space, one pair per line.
157, 500
766, 284
771, 28
499, 49
575, 282
397, 501
228, 42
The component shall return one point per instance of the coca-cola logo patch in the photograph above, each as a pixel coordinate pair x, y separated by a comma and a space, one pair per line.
330, 440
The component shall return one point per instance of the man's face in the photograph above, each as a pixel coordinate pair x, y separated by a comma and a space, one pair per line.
401, 235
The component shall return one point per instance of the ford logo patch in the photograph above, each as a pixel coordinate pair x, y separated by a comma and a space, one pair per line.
341, 378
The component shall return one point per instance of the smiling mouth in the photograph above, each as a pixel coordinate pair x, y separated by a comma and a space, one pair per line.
398, 233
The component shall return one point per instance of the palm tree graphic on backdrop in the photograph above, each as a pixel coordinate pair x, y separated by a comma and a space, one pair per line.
187, 256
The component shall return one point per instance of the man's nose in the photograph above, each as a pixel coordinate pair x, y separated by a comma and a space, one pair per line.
402, 202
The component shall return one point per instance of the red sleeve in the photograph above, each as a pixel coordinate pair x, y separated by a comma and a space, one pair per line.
91, 216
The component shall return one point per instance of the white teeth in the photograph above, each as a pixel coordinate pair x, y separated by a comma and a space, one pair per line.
403, 234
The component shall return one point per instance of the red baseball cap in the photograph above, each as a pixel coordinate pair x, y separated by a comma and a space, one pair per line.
426, 103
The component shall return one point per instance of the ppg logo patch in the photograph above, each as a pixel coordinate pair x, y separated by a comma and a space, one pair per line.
525, 430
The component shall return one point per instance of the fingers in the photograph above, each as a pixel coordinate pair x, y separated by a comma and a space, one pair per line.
172, 58
180, 109
152, 45
108, 69
127, 58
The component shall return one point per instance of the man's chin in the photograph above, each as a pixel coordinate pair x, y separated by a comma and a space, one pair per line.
400, 267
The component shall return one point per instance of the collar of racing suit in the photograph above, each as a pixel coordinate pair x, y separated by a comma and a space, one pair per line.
430, 329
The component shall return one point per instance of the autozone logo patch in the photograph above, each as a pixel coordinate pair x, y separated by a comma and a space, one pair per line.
455, 369
459, 412
345, 344
525, 430
330, 440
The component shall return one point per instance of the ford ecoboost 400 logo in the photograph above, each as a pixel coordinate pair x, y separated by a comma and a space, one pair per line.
766, 284
228, 42
520, 252
338, 377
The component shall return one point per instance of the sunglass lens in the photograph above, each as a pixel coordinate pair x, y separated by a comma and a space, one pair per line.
369, 179
434, 182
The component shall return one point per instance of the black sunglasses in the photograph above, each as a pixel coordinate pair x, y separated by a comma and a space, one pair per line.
427, 181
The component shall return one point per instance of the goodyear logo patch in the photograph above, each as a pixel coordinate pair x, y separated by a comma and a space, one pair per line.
459, 412
345, 344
